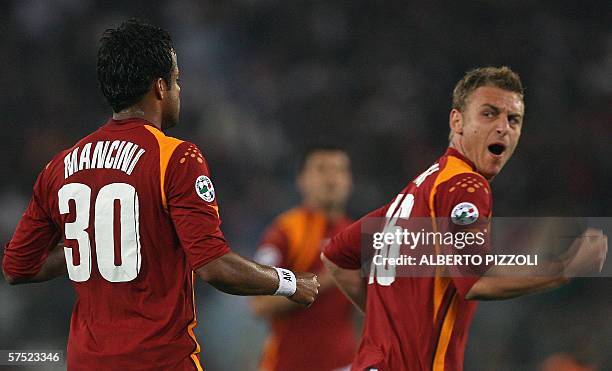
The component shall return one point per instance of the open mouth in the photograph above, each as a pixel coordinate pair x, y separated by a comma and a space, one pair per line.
497, 148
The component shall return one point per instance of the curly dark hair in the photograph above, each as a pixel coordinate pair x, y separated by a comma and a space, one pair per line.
130, 58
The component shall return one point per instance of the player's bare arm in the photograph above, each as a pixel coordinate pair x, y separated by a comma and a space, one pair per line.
586, 255
498, 285
271, 306
349, 281
233, 274
53, 267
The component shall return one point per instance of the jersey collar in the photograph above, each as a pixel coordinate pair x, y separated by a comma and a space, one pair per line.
127, 124
453, 152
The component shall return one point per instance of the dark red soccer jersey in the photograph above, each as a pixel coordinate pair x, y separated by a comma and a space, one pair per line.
321, 337
418, 323
138, 214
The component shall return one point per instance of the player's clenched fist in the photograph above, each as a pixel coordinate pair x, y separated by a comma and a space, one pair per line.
307, 289
587, 254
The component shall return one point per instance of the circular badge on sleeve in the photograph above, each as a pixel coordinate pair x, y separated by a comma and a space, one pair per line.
204, 188
464, 213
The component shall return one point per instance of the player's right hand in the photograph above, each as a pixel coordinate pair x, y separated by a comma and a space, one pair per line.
307, 289
588, 253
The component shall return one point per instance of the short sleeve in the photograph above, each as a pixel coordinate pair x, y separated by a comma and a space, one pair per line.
463, 205
273, 247
35, 235
192, 205
344, 249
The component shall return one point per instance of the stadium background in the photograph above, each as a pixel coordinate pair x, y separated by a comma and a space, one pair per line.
262, 79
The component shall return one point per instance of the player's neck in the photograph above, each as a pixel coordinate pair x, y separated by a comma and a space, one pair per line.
458, 148
138, 111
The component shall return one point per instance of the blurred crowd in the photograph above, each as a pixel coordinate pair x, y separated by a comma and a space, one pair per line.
261, 80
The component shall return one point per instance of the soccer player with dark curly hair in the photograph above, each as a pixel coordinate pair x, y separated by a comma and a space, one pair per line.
138, 214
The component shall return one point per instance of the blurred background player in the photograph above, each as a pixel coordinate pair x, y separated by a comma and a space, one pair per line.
322, 337
139, 217
422, 323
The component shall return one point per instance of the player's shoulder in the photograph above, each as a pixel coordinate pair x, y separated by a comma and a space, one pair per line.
451, 167
166, 142
468, 185
464, 182
187, 153
461, 189
190, 149
54, 167
290, 216
458, 172
276, 234
57, 162
174, 150
458, 178
454, 179
53, 172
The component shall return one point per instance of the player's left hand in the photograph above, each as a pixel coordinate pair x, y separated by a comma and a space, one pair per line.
307, 289
588, 254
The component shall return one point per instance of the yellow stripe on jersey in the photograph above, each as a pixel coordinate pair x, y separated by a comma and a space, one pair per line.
454, 166
167, 145
216, 208
192, 325
440, 286
445, 334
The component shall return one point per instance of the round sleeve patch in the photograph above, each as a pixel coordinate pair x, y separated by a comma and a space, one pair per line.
464, 213
204, 188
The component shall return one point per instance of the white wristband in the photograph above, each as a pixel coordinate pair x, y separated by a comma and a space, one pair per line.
286, 282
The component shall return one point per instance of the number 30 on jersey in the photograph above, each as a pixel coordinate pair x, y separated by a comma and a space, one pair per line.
104, 212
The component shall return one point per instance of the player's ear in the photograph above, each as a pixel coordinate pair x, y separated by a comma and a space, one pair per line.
456, 121
159, 86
